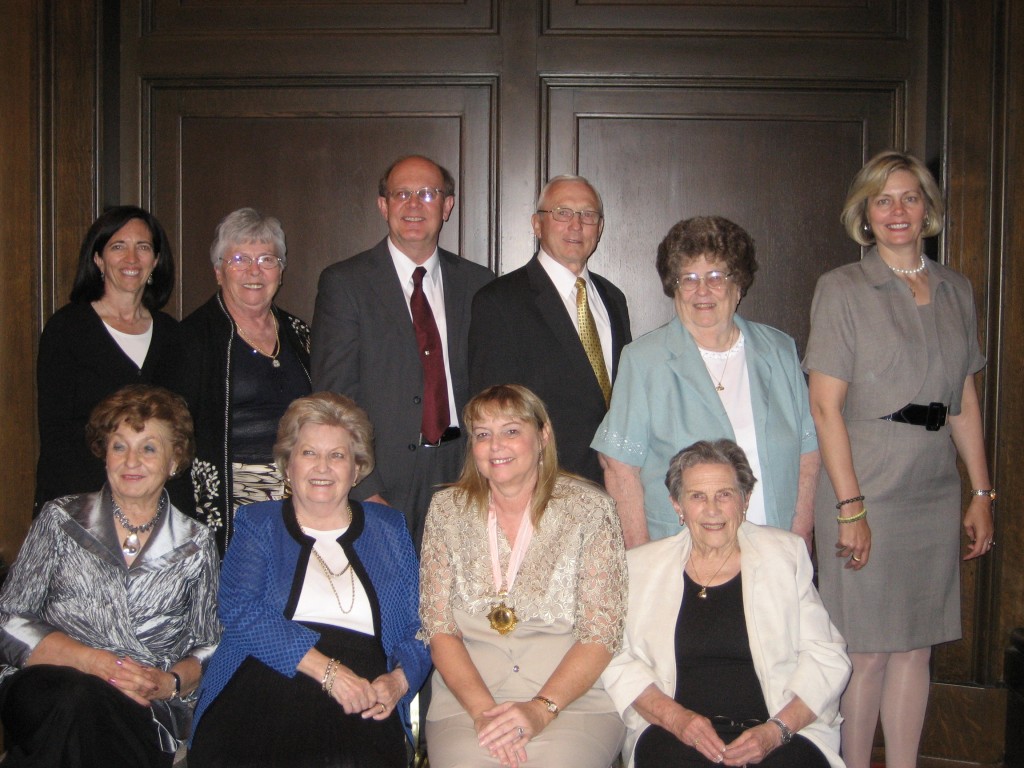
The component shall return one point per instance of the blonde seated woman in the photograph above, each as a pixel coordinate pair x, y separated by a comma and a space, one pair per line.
523, 589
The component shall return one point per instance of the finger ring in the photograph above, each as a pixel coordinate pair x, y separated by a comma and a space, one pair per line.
696, 742
383, 709
520, 731
856, 559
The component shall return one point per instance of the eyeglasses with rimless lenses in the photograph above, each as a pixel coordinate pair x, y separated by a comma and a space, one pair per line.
714, 280
590, 218
265, 261
425, 194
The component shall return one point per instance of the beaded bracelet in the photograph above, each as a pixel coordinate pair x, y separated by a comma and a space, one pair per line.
853, 518
844, 502
328, 681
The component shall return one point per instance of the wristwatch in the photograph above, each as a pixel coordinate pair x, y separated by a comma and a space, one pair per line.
787, 735
548, 704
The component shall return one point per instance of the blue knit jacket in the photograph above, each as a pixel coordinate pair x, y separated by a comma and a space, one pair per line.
262, 578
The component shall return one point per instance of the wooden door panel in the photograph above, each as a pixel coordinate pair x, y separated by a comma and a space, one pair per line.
312, 157
777, 161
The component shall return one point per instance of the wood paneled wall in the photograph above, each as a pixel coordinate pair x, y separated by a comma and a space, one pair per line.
759, 110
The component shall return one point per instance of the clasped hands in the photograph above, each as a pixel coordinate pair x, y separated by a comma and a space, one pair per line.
141, 683
750, 747
504, 729
376, 699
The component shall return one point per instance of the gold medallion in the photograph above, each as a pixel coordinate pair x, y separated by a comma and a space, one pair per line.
503, 619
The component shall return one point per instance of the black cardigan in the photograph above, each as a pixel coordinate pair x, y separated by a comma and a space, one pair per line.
79, 365
207, 336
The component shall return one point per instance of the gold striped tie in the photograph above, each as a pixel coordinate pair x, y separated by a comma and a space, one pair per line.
591, 341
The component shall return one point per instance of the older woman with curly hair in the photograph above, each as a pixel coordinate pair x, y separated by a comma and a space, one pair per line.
108, 615
319, 605
709, 374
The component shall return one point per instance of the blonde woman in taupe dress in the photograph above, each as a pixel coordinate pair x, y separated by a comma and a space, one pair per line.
892, 355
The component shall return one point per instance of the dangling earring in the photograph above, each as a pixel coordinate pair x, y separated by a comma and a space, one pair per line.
287, 487
682, 520
866, 229
149, 280
926, 223
103, 277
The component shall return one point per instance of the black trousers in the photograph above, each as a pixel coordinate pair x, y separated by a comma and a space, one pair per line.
58, 716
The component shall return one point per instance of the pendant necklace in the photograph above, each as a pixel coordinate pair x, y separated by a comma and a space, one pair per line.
256, 347
703, 594
502, 616
719, 387
131, 545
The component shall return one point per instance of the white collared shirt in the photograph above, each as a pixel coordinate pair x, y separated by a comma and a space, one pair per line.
565, 285
433, 288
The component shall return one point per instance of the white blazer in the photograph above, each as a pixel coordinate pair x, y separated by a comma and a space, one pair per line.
796, 649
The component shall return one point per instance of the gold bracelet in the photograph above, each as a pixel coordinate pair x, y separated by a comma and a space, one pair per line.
327, 684
853, 518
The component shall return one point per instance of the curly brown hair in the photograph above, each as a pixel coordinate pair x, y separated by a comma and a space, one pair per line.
135, 405
714, 237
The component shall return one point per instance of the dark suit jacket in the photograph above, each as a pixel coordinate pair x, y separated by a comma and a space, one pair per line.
521, 334
364, 346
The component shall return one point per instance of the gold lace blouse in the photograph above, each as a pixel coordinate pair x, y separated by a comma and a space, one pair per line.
574, 571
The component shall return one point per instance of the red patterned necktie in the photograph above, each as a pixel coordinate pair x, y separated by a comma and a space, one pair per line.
436, 416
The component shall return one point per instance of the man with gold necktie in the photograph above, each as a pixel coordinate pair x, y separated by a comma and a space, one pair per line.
553, 325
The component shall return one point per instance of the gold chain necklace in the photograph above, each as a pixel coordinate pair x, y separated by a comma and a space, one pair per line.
277, 342
331, 576
703, 594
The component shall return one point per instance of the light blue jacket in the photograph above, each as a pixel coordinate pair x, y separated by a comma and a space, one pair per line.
664, 400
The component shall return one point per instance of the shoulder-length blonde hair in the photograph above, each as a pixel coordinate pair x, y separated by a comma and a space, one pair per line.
518, 402
870, 181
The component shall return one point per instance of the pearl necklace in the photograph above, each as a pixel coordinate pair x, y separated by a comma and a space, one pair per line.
914, 271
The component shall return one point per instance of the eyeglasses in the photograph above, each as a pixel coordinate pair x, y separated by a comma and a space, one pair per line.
590, 218
264, 261
714, 280
425, 194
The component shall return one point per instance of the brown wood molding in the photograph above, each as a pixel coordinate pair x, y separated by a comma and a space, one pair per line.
19, 231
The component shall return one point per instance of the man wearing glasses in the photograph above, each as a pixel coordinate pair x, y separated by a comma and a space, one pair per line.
553, 325
390, 331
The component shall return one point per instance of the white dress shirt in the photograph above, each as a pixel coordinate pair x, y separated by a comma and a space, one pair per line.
565, 284
433, 288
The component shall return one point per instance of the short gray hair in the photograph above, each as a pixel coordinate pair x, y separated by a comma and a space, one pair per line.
569, 177
247, 225
722, 451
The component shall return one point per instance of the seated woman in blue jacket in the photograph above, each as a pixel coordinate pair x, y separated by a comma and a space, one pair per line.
318, 599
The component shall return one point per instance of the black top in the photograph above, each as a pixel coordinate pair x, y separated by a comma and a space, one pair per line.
79, 365
208, 341
714, 669
261, 394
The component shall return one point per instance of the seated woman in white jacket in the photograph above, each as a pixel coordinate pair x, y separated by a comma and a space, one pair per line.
729, 655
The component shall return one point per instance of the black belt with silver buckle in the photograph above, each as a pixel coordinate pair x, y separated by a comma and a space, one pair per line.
932, 416
452, 433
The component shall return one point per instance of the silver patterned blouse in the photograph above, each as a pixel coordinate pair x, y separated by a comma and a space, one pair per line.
71, 577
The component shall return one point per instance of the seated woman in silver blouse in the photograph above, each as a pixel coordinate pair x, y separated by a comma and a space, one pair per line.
109, 613
522, 598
